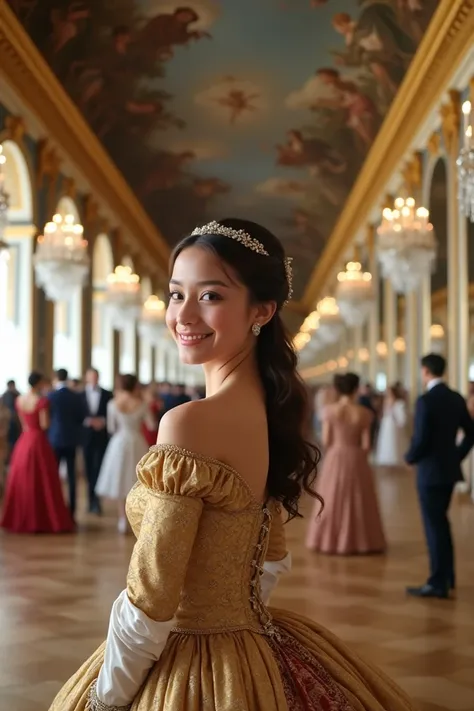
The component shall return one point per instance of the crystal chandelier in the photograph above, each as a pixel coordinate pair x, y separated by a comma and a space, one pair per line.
354, 294
330, 320
122, 297
406, 245
61, 261
4, 205
152, 320
437, 338
465, 164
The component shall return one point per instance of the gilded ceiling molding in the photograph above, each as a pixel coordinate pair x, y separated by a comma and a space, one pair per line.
445, 44
15, 127
28, 73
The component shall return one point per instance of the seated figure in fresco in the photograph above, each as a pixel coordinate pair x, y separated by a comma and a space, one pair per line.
192, 630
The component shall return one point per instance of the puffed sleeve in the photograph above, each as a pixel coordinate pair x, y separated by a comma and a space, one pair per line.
170, 492
277, 559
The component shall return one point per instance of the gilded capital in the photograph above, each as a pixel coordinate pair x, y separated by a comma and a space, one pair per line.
69, 188
451, 121
412, 173
434, 144
91, 210
48, 162
15, 128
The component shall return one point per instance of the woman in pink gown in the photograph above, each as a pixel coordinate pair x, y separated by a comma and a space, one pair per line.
350, 522
34, 500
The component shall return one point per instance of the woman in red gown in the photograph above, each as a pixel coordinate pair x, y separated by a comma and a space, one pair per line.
34, 500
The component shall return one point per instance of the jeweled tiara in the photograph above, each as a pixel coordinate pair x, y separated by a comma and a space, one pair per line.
215, 228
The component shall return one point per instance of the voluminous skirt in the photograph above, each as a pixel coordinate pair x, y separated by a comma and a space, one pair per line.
34, 501
391, 443
118, 471
350, 522
304, 668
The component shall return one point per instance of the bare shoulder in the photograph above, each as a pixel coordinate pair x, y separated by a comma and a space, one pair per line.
187, 426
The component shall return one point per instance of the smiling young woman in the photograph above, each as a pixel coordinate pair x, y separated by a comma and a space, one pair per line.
192, 630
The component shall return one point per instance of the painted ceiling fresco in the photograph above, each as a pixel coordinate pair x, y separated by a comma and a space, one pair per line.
262, 109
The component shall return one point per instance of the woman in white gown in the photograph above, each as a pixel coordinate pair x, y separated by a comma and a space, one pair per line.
126, 413
392, 440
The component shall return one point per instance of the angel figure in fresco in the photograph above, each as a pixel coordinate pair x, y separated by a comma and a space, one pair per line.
376, 39
66, 23
238, 102
361, 115
312, 153
161, 33
416, 15
166, 173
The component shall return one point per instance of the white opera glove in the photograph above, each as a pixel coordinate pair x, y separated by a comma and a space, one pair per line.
272, 569
134, 643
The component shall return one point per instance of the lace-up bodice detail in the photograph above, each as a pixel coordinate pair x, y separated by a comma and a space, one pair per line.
220, 591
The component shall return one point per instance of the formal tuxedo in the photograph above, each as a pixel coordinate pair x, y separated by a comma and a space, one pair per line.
66, 418
440, 414
95, 401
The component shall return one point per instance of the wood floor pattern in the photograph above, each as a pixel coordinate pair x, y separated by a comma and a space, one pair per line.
56, 593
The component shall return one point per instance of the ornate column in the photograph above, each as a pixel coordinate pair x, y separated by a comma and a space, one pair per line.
411, 341
374, 317
457, 280
390, 328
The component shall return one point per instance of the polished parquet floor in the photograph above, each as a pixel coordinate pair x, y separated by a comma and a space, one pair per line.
56, 593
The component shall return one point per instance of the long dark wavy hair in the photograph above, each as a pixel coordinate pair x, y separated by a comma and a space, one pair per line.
293, 457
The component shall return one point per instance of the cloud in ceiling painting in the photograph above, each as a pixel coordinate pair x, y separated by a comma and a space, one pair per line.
282, 188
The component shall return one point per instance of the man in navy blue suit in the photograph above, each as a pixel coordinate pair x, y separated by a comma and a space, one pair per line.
95, 436
440, 414
66, 418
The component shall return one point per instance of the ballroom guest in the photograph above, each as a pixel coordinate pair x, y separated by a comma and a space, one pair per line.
9, 399
435, 450
350, 522
126, 414
34, 500
95, 436
67, 416
391, 440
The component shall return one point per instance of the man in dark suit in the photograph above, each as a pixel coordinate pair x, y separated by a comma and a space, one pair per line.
440, 414
95, 436
66, 417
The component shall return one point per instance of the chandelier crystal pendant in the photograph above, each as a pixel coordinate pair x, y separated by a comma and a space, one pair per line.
61, 260
406, 245
4, 205
465, 165
152, 326
123, 297
354, 294
330, 320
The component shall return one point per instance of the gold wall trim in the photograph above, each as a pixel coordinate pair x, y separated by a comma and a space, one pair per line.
446, 42
30, 76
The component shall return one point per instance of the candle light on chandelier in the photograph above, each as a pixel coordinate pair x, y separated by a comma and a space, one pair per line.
354, 293
152, 324
465, 165
122, 297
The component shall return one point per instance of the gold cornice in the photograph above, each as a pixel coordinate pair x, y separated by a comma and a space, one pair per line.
32, 79
446, 42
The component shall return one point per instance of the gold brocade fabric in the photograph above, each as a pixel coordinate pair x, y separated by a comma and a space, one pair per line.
201, 543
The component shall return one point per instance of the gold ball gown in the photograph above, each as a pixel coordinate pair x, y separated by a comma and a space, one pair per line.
203, 542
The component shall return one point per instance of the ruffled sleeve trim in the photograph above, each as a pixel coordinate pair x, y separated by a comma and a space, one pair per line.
169, 469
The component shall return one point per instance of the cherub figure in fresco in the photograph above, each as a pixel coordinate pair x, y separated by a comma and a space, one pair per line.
238, 102
361, 114
312, 153
376, 39
166, 172
306, 239
210, 187
416, 15
66, 23
163, 32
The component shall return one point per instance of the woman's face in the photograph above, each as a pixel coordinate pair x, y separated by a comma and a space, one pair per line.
209, 314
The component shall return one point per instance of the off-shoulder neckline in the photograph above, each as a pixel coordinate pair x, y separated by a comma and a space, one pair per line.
210, 460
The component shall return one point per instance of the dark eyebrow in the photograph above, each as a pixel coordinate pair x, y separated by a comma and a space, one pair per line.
213, 282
